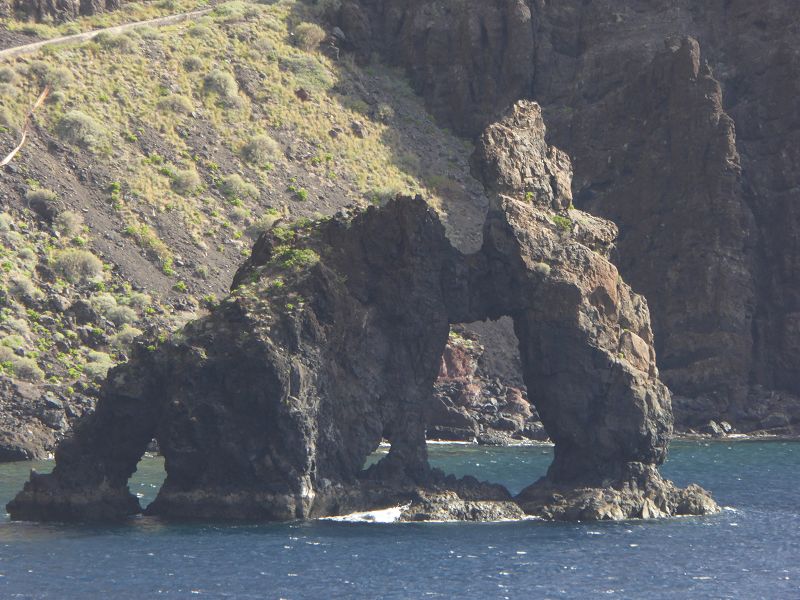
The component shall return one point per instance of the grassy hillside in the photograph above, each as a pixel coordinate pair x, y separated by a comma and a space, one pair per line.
161, 154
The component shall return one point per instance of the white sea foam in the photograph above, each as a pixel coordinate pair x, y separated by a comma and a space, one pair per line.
392, 515
386, 515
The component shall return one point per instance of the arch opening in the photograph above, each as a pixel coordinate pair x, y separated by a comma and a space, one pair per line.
150, 474
479, 395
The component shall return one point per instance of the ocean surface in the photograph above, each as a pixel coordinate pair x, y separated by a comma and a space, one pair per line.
751, 550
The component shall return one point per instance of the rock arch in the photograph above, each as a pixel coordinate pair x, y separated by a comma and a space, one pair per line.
331, 339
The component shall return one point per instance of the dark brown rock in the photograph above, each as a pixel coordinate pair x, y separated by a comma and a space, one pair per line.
513, 157
694, 155
331, 340
469, 62
63, 10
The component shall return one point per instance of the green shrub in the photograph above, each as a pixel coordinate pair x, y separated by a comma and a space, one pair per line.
148, 33
116, 42
125, 336
98, 365
239, 214
7, 75
223, 84
27, 369
233, 186
122, 315
563, 223
21, 287
138, 300
13, 238
185, 181
384, 112
77, 266
28, 256
8, 91
103, 303
193, 63
18, 325
308, 71
199, 31
327, 8
19, 367
309, 36
13, 341
261, 150
8, 121
57, 78
107, 306
79, 129
262, 224
176, 103
68, 224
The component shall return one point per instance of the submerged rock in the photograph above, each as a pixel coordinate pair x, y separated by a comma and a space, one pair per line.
331, 339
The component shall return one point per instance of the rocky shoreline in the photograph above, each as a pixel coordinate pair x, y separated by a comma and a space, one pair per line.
332, 339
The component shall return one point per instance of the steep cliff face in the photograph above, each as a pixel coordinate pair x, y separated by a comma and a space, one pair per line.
470, 60
332, 339
62, 10
696, 163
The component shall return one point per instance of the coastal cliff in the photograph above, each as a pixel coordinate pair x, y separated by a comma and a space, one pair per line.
331, 340
681, 122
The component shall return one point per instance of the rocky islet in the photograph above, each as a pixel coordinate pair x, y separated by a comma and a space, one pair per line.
331, 341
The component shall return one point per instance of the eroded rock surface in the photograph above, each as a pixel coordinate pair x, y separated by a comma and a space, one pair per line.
62, 10
331, 340
682, 122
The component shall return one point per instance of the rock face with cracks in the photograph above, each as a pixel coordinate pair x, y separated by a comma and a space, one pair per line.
682, 121
331, 340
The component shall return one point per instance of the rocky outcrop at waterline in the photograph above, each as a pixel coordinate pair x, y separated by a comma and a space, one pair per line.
331, 340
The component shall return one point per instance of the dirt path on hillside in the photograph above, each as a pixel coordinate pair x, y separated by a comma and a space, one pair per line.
88, 35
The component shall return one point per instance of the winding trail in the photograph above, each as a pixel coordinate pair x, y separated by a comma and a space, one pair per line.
88, 35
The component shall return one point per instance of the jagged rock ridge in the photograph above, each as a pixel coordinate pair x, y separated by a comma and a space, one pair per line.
694, 157
331, 340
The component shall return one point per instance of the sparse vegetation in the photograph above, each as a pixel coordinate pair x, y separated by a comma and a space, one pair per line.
184, 181
261, 149
233, 186
309, 36
77, 266
563, 223
151, 165
222, 84
176, 103
68, 224
79, 129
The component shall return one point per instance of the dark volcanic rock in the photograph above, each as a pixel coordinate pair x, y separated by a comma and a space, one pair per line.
331, 340
697, 162
469, 62
512, 157
63, 10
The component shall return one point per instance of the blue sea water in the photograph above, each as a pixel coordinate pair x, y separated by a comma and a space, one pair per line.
751, 550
